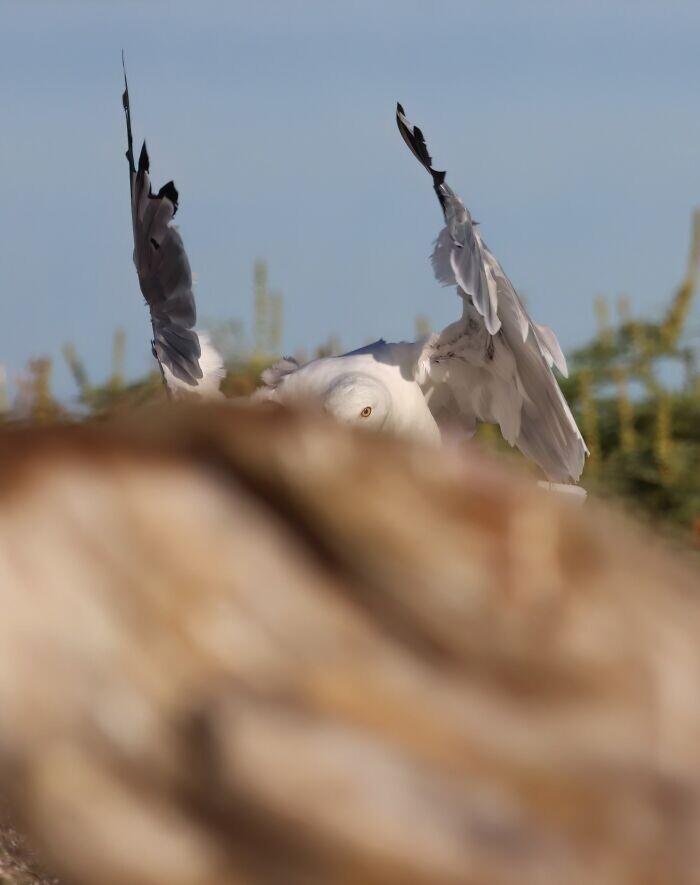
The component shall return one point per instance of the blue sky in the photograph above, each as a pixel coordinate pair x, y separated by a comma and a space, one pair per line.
571, 130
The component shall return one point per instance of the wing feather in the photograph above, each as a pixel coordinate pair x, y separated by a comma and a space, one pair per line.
187, 359
460, 245
551, 350
496, 362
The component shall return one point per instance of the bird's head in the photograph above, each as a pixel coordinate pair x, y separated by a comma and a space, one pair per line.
358, 399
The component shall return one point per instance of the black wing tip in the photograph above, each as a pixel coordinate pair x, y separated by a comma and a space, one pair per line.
144, 159
413, 137
127, 112
169, 191
125, 94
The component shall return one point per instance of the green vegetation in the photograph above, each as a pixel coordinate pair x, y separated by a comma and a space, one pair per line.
642, 427
643, 430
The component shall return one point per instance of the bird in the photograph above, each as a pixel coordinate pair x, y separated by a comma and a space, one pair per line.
188, 361
493, 365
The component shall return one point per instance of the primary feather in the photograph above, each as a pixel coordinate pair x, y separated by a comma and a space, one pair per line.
187, 358
495, 362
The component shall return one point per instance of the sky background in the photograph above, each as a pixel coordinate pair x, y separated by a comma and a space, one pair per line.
570, 129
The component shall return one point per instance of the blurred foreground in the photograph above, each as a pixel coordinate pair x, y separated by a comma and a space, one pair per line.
242, 646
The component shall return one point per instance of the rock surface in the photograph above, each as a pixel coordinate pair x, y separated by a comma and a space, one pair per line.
252, 647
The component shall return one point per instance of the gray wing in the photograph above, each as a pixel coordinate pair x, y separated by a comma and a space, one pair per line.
494, 365
187, 360
458, 256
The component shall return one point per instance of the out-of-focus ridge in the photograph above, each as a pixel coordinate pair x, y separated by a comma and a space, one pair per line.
246, 645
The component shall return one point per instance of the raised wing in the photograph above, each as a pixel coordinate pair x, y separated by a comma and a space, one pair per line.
494, 365
458, 256
187, 359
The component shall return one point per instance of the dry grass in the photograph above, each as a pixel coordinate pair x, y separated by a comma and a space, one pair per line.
18, 865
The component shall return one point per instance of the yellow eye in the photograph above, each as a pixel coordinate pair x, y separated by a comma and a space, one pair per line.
366, 412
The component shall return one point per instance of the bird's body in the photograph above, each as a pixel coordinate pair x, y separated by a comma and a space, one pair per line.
375, 387
428, 390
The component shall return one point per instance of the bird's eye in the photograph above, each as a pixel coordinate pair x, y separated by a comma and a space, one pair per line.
366, 412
